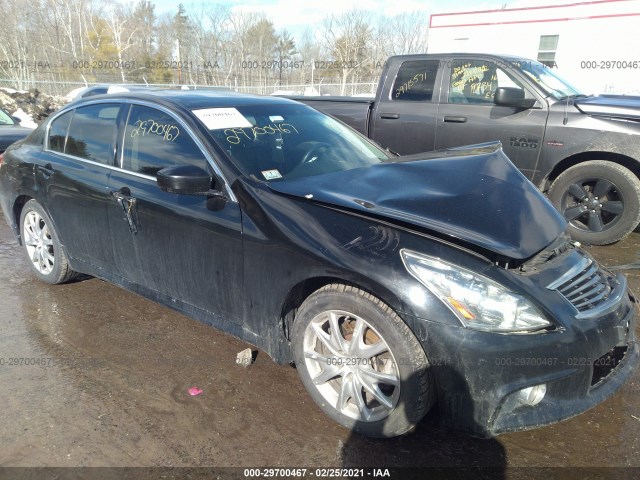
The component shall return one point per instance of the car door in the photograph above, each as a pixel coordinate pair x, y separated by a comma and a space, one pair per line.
73, 174
183, 247
468, 114
405, 120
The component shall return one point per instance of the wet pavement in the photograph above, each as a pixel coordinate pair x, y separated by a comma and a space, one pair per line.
91, 375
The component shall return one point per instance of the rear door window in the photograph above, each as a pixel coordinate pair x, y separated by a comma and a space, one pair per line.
154, 140
415, 81
92, 133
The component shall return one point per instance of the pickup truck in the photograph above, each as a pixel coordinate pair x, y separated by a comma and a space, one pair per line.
583, 151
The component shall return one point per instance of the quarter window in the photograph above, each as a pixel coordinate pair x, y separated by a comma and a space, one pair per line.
154, 140
58, 132
415, 81
92, 133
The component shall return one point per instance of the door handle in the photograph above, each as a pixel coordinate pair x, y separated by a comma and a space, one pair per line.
47, 171
390, 116
455, 119
127, 204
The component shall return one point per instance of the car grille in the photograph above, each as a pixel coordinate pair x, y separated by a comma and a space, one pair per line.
585, 285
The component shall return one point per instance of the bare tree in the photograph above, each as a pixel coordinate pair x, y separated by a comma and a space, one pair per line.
309, 52
143, 39
348, 37
211, 44
410, 31
240, 22
285, 51
165, 43
73, 17
260, 40
218, 52
15, 47
119, 20
208, 24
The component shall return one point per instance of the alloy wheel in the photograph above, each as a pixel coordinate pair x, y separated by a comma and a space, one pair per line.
39, 243
592, 205
351, 366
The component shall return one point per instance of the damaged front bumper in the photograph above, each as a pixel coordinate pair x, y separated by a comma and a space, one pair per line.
490, 383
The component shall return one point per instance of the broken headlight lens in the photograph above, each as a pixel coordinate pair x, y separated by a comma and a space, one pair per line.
479, 303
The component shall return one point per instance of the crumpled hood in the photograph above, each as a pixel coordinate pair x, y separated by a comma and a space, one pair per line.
474, 194
617, 106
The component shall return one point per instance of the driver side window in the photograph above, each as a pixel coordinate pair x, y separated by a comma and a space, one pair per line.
154, 140
476, 81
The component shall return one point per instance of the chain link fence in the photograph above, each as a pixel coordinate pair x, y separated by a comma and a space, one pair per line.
348, 89
306, 81
63, 88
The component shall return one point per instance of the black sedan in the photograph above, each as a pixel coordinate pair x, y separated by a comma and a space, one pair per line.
10, 130
392, 283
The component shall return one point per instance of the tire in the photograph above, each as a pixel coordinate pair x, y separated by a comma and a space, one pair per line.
40, 241
599, 199
341, 378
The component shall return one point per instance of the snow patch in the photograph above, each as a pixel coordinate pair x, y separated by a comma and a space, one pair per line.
26, 120
12, 90
31, 107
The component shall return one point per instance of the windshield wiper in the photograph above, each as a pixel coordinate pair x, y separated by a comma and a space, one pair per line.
574, 96
392, 152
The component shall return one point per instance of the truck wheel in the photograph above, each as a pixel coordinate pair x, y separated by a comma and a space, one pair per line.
360, 362
599, 199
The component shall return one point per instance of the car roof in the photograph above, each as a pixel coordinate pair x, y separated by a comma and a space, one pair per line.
466, 55
189, 99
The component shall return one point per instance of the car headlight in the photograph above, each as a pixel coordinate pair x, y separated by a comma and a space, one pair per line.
479, 303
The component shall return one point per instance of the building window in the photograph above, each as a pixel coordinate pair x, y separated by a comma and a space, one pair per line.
547, 50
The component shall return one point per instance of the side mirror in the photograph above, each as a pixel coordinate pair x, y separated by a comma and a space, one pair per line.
184, 179
16, 119
512, 97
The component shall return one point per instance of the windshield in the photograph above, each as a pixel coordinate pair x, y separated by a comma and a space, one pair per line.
285, 141
549, 81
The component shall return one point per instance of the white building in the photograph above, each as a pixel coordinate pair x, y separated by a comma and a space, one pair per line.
595, 45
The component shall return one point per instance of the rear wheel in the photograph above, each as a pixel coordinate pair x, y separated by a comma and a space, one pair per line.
599, 199
46, 256
361, 363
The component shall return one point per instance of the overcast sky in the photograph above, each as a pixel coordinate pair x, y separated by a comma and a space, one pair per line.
297, 15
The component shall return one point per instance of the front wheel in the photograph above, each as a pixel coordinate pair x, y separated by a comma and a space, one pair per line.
599, 199
46, 256
361, 363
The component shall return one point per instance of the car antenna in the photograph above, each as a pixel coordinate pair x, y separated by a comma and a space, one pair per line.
566, 115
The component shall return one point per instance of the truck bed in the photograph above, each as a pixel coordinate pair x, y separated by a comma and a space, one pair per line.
351, 110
